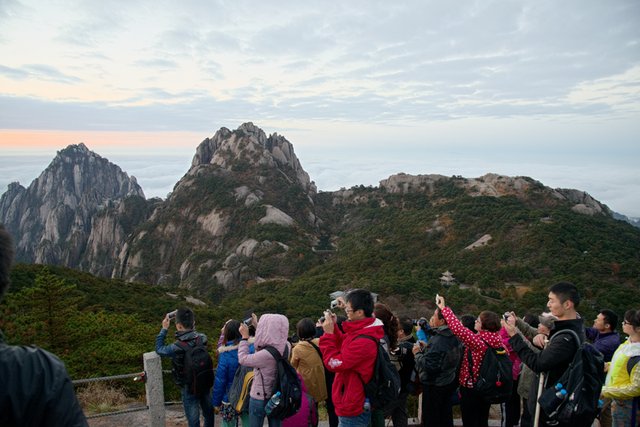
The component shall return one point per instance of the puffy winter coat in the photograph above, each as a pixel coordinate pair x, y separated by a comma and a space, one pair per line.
352, 359
307, 361
272, 330
226, 370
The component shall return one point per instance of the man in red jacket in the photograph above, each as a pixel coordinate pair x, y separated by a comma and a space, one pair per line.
352, 358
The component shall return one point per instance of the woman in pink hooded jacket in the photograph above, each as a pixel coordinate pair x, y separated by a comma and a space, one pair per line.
272, 330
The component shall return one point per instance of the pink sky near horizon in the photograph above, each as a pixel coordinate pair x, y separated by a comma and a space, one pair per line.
21, 140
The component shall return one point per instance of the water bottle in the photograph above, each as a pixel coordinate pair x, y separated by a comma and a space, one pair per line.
561, 394
558, 387
367, 405
272, 403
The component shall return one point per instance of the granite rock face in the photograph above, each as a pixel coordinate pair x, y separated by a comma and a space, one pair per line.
52, 221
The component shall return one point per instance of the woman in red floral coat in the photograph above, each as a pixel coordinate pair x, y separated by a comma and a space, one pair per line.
475, 411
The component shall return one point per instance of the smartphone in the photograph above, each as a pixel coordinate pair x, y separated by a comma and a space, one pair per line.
247, 321
172, 315
437, 298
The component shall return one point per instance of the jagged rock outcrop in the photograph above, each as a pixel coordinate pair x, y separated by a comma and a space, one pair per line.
582, 202
231, 219
52, 219
248, 146
404, 183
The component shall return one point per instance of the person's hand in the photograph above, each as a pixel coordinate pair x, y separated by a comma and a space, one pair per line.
540, 340
166, 322
254, 320
510, 325
416, 348
606, 366
340, 303
329, 322
440, 302
244, 331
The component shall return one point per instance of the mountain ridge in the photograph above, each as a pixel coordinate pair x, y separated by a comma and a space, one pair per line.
244, 212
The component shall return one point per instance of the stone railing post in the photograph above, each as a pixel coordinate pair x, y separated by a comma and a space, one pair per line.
154, 388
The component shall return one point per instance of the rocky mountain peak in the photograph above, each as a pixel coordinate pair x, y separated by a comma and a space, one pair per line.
249, 147
52, 218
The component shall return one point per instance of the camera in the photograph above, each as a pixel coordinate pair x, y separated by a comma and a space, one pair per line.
334, 298
172, 315
247, 321
422, 322
506, 315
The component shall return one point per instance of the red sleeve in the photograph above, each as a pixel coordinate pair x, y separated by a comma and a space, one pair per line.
469, 339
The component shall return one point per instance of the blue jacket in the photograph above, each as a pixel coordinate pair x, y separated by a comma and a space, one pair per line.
227, 366
604, 343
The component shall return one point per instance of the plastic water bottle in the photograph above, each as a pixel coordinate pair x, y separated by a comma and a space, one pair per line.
558, 387
367, 405
561, 394
272, 403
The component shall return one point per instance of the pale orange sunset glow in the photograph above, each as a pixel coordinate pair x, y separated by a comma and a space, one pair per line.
27, 140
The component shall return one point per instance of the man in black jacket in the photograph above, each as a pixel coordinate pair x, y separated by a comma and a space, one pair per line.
437, 364
555, 358
402, 358
35, 389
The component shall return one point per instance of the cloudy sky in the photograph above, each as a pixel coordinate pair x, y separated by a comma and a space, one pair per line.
363, 89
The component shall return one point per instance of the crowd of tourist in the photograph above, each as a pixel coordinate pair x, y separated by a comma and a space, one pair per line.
438, 358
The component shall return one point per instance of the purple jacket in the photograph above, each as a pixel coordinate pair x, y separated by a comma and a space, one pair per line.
604, 343
272, 330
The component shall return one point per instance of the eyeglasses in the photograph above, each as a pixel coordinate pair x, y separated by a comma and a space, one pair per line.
624, 322
348, 310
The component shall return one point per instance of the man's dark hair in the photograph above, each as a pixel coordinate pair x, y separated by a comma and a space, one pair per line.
406, 324
306, 329
440, 316
232, 331
531, 319
360, 299
610, 317
185, 317
566, 291
6, 259
468, 321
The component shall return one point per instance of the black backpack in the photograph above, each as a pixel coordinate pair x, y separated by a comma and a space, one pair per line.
384, 386
288, 384
495, 377
583, 382
197, 368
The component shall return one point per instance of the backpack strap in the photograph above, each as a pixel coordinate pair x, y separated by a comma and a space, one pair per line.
377, 344
317, 349
470, 360
570, 332
633, 361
